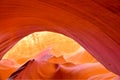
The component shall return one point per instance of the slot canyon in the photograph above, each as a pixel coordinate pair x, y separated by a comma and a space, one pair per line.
59, 39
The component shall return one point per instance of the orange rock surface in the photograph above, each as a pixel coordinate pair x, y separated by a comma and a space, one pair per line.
94, 24
57, 61
42, 68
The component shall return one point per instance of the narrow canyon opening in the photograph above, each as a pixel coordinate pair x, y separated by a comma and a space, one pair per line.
64, 50
33, 44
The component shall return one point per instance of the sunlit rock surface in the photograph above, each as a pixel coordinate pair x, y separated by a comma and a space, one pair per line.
92, 23
42, 68
37, 59
36, 42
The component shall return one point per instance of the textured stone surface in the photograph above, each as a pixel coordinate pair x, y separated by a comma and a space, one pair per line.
92, 23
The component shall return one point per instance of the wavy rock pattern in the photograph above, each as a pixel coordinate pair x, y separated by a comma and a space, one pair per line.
92, 23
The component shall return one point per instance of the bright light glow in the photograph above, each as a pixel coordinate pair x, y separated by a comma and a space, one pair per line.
61, 45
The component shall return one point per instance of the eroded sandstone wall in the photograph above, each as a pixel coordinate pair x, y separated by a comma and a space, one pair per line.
92, 23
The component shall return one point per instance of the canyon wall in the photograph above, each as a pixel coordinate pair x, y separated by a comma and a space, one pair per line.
93, 24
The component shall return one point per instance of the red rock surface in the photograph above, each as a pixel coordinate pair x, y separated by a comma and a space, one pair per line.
92, 23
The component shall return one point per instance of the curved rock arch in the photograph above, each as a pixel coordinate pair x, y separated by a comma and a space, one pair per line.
88, 22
